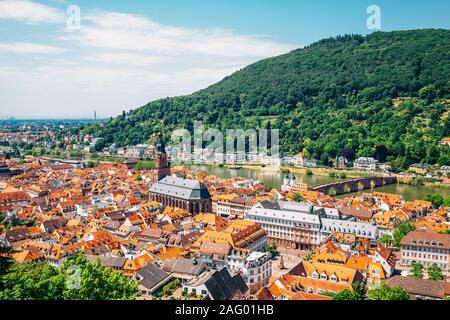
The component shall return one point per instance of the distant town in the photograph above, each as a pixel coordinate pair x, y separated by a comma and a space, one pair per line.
176, 232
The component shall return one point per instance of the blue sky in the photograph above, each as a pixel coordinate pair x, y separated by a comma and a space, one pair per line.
127, 53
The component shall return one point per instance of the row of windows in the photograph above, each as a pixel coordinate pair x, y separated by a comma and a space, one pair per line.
269, 227
426, 256
4, 204
260, 269
285, 222
443, 266
203, 292
282, 235
296, 234
259, 278
324, 276
354, 231
426, 249
427, 242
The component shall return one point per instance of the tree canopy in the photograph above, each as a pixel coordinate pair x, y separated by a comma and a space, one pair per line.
435, 272
401, 231
385, 292
417, 270
435, 198
380, 292
145, 165
383, 95
297, 197
77, 279
358, 293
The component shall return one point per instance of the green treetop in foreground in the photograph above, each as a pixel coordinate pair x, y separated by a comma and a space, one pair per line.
380, 292
385, 292
358, 293
417, 270
436, 199
435, 272
401, 231
77, 279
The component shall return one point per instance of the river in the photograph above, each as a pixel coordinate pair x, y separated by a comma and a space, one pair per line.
274, 179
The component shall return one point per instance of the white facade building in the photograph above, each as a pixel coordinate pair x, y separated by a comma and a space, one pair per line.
366, 163
304, 226
255, 268
290, 224
359, 229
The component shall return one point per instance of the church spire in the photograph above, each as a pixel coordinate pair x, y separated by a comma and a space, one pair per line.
160, 146
162, 163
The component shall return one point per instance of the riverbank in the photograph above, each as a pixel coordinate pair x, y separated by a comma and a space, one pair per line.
322, 171
274, 178
435, 185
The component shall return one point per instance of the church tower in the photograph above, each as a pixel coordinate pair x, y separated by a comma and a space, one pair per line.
162, 163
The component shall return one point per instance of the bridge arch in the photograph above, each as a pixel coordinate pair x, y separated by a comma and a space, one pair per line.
354, 185
347, 188
332, 191
361, 186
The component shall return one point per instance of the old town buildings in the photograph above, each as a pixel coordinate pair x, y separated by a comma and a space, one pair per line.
287, 223
303, 226
426, 247
213, 237
255, 267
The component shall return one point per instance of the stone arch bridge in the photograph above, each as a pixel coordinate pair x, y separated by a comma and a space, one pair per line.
354, 185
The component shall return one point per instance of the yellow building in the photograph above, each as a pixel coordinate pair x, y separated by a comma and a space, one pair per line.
241, 234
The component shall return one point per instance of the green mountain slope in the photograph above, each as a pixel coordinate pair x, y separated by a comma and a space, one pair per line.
384, 95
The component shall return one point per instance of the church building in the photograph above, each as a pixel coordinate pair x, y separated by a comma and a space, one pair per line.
162, 163
172, 191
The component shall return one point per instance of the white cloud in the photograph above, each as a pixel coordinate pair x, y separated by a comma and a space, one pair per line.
28, 11
114, 30
120, 20
117, 61
130, 59
78, 90
29, 48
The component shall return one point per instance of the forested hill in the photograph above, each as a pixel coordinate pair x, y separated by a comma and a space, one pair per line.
385, 95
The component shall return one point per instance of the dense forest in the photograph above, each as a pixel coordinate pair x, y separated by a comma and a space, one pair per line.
386, 95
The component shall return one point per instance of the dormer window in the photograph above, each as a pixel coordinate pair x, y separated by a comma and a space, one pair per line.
333, 278
324, 276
